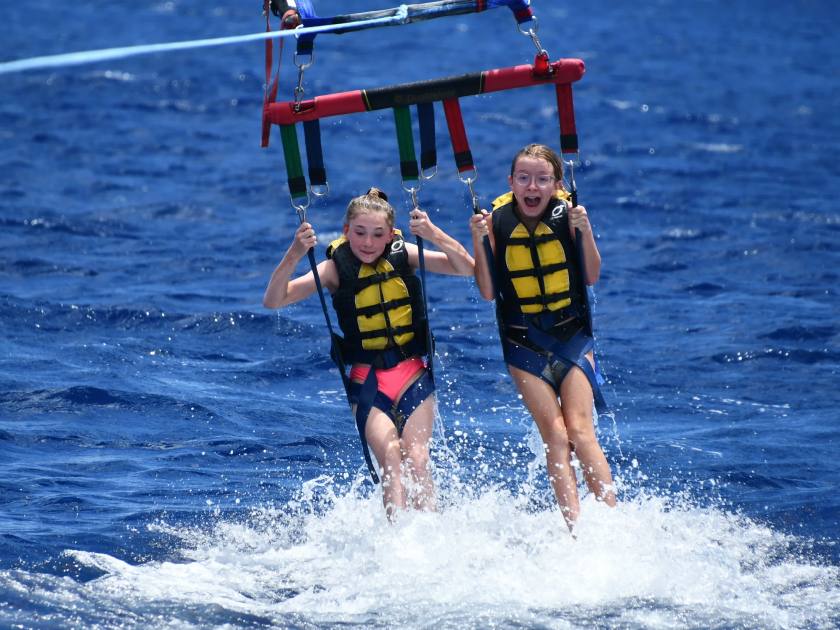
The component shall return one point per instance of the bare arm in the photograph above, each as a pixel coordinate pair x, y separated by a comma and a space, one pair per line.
480, 225
281, 291
452, 259
579, 219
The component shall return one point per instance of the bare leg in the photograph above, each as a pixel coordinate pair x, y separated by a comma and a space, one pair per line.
382, 439
541, 401
576, 397
416, 436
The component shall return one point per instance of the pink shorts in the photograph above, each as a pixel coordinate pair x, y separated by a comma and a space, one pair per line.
392, 381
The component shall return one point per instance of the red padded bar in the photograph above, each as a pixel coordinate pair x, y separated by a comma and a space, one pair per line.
562, 71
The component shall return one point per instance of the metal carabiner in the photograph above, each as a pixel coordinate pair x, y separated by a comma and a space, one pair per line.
469, 182
532, 33
300, 208
301, 66
571, 165
412, 190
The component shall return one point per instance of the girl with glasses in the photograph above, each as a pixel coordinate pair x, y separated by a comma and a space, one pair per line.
540, 290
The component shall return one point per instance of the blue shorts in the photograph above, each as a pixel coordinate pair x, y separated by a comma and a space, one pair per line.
521, 353
402, 409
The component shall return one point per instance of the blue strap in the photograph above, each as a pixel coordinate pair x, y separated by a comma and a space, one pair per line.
366, 397
573, 352
426, 120
306, 43
314, 153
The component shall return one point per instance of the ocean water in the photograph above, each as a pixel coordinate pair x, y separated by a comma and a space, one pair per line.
173, 455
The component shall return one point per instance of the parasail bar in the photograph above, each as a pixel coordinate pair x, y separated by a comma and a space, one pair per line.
562, 71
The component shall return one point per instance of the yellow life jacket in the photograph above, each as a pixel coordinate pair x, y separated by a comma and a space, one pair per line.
538, 271
379, 306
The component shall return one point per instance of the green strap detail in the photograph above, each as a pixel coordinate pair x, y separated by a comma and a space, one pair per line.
405, 139
294, 168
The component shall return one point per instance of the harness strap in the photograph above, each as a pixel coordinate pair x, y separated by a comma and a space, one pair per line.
381, 359
376, 309
270, 95
405, 139
534, 238
566, 113
410, 172
314, 153
393, 331
294, 168
547, 270
572, 352
458, 135
428, 151
464, 162
367, 395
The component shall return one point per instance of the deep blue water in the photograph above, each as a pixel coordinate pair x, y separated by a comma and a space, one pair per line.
172, 454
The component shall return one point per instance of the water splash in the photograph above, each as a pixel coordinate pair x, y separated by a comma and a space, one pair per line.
329, 557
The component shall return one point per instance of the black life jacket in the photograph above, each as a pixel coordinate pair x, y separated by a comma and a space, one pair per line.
538, 273
379, 306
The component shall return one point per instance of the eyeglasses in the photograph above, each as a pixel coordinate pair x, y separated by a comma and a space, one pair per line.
542, 181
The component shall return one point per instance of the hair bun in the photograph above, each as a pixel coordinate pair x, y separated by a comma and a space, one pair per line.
375, 192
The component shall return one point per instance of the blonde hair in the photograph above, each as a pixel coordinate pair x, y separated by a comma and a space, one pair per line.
542, 152
374, 200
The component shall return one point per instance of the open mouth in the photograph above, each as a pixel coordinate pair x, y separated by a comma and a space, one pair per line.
532, 202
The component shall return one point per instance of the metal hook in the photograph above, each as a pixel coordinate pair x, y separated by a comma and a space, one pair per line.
469, 182
571, 163
532, 33
301, 66
412, 190
300, 208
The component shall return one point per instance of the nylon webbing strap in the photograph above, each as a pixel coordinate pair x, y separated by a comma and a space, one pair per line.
458, 135
314, 153
426, 120
270, 87
294, 169
566, 112
521, 9
306, 43
409, 172
405, 139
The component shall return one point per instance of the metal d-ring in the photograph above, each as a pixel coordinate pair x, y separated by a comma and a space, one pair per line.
320, 190
428, 177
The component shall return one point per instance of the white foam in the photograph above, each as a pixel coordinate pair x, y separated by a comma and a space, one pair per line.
331, 557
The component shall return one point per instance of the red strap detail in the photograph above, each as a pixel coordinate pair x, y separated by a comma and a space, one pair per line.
270, 94
566, 112
480, 5
542, 66
523, 15
457, 132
